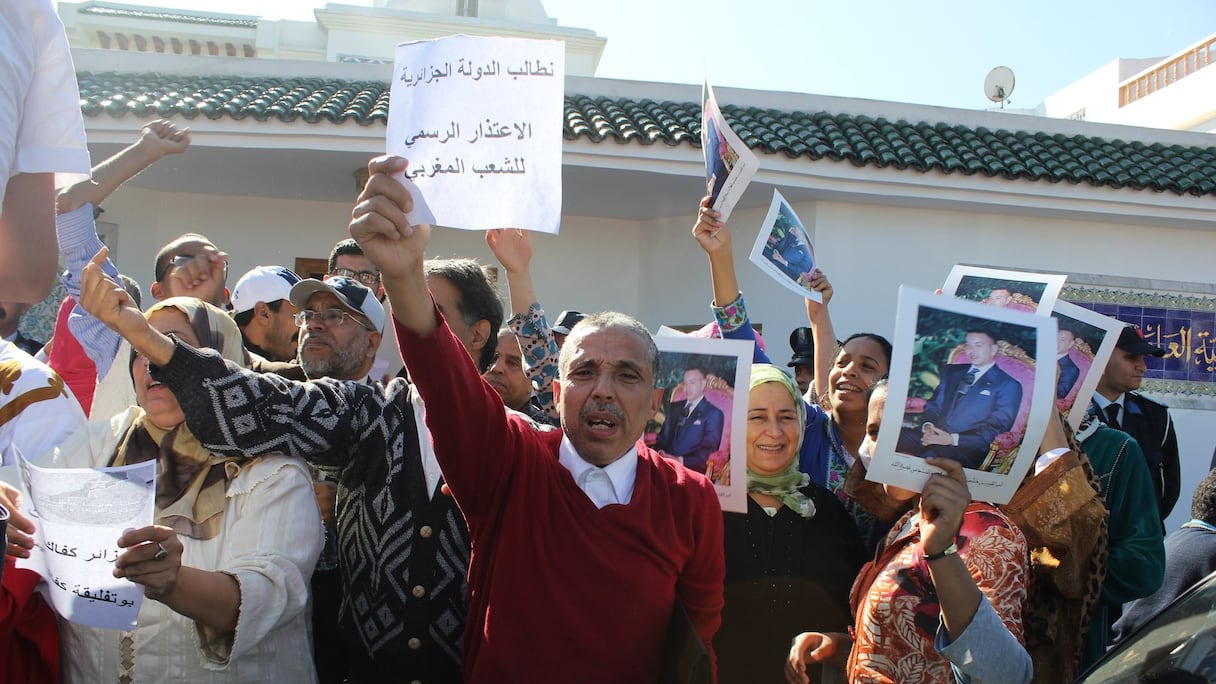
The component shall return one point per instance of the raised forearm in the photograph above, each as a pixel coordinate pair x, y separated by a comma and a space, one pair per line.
108, 176
824, 336
523, 292
722, 276
412, 304
958, 597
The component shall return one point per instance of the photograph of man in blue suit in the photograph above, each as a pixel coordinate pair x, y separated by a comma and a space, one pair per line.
693, 428
973, 404
1069, 373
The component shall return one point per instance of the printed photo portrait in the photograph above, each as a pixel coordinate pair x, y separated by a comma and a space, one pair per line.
969, 389
729, 164
1085, 340
783, 249
1003, 289
701, 417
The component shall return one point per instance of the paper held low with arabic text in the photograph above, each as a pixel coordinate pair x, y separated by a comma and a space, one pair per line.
79, 514
480, 121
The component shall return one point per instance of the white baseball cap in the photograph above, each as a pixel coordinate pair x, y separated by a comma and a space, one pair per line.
262, 284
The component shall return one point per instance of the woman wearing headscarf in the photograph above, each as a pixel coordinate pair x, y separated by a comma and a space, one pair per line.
227, 561
836, 409
791, 559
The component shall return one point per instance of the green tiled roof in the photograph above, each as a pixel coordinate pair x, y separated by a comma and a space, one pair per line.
859, 140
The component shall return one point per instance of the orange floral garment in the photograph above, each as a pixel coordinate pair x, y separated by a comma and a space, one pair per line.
897, 616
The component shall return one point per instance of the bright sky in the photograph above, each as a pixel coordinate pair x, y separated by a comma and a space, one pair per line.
931, 52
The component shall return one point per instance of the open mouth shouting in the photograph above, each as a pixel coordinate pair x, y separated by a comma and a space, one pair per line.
602, 420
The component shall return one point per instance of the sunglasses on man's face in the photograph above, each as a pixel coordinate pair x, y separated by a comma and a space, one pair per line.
368, 278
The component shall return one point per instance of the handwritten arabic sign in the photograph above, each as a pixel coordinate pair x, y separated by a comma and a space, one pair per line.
480, 120
80, 513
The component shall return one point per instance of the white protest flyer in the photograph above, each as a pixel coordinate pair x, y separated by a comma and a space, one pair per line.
702, 421
783, 249
1084, 343
968, 382
729, 164
1005, 289
80, 513
480, 121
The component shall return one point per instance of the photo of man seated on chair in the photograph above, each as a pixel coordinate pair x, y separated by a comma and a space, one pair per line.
693, 429
976, 412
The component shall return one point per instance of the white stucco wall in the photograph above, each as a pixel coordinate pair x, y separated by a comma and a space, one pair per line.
654, 269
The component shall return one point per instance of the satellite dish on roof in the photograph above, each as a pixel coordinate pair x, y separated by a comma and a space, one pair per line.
998, 85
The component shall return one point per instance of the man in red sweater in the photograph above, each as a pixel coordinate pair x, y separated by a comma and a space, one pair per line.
584, 540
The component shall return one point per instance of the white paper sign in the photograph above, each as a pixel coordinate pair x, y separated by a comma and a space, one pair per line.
480, 121
1005, 289
80, 513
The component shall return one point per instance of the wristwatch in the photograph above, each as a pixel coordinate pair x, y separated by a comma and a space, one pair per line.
948, 551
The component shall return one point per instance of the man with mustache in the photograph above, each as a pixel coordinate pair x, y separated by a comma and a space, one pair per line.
693, 429
974, 403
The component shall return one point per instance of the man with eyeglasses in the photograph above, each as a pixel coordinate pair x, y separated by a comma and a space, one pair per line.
403, 543
346, 260
340, 324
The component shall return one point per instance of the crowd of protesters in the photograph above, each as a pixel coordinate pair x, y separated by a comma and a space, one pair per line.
496, 512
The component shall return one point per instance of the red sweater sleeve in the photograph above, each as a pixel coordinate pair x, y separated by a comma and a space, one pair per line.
15, 592
29, 637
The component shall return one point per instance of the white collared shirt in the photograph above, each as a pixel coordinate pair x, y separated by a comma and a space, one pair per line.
689, 407
1103, 402
430, 464
621, 474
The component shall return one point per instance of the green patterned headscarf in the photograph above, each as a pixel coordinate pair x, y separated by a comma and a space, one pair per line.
784, 485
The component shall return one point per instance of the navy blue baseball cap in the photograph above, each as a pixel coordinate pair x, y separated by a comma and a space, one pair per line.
352, 293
